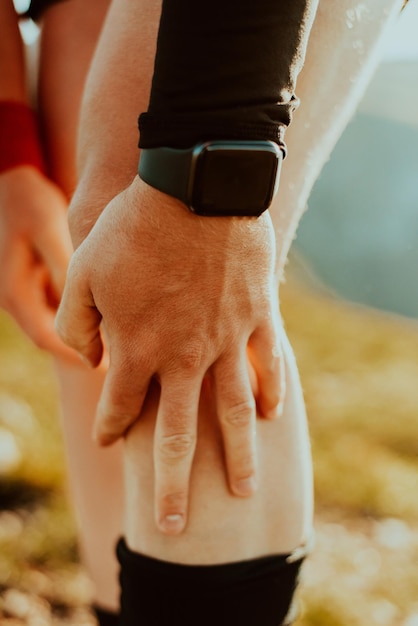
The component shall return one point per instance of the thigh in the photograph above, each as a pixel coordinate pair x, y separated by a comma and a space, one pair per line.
70, 31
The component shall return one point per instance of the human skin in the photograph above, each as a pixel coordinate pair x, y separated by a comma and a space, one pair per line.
35, 246
68, 39
213, 307
279, 516
95, 474
282, 506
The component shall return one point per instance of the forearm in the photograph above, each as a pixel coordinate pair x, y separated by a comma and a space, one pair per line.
70, 31
12, 67
117, 89
329, 97
261, 71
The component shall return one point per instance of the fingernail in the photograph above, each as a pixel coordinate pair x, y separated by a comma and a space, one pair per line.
172, 524
245, 486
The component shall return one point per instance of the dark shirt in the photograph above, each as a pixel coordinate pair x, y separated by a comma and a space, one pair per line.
225, 69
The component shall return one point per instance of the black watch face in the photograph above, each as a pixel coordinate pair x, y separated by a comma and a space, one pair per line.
234, 181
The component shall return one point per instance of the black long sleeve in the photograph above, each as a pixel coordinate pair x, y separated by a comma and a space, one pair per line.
225, 69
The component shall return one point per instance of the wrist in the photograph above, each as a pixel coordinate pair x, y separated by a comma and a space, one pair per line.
157, 210
216, 178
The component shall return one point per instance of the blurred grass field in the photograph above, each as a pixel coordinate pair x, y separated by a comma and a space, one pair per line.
359, 370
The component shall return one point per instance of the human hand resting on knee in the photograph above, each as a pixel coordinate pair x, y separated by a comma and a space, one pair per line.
180, 297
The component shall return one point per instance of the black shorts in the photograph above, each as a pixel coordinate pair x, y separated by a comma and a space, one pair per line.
256, 592
37, 7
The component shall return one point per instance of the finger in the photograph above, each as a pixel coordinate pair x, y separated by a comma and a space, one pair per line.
123, 395
174, 447
24, 288
266, 356
31, 312
37, 318
78, 320
237, 417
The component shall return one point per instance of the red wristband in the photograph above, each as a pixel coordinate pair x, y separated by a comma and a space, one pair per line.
19, 137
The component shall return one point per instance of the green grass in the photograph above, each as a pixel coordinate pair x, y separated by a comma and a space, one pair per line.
359, 371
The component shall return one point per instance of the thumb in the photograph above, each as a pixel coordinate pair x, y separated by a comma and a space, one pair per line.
78, 320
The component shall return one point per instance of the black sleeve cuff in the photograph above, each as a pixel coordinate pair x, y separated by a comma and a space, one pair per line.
225, 70
184, 131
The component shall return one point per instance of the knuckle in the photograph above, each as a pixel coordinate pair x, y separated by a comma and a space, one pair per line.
122, 399
63, 331
240, 415
191, 358
175, 501
115, 422
85, 344
243, 466
178, 446
68, 339
131, 362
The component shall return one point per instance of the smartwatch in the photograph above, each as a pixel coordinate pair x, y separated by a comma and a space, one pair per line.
216, 177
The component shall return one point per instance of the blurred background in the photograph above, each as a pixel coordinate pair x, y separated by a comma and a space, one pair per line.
360, 235
358, 242
350, 304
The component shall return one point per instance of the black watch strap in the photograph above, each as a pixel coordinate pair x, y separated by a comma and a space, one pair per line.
167, 169
216, 178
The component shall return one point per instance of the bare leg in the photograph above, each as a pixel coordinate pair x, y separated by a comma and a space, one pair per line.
70, 31
222, 527
69, 34
96, 481
341, 56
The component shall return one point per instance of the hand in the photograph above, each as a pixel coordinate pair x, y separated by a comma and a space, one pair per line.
180, 297
35, 248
